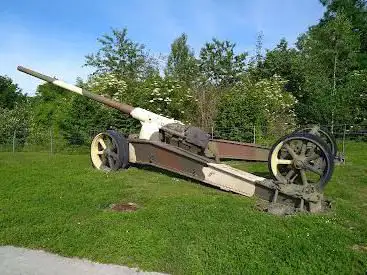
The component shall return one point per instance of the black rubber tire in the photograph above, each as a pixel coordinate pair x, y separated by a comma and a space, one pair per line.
333, 145
329, 158
122, 145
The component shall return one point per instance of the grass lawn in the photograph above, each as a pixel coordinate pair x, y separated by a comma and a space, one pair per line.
60, 204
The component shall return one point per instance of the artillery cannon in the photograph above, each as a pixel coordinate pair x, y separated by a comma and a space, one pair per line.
301, 163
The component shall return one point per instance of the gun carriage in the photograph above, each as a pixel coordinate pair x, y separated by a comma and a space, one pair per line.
301, 163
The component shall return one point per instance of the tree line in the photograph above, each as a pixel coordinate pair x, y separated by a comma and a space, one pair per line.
322, 79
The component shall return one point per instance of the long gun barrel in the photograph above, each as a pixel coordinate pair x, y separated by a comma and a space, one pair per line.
125, 108
151, 122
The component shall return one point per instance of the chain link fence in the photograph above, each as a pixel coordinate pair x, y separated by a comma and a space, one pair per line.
266, 135
52, 141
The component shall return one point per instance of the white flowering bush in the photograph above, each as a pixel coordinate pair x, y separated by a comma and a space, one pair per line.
115, 87
169, 97
14, 120
108, 84
164, 96
264, 104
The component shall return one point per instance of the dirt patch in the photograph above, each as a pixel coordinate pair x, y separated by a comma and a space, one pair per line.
124, 207
273, 208
359, 247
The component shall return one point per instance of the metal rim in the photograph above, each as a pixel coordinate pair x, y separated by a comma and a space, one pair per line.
105, 152
301, 159
324, 134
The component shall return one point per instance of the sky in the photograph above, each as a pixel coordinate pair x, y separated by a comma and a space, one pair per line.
53, 37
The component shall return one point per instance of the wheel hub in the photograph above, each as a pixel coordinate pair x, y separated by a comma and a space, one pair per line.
298, 164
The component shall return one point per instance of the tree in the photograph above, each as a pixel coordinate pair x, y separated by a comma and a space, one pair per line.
284, 62
169, 97
14, 121
14, 112
120, 55
356, 12
329, 54
249, 103
353, 93
49, 105
181, 63
220, 65
10, 93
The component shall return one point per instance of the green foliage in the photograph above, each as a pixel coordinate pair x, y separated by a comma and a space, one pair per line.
356, 13
251, 103
282, 61
220, 65
329, 53
113, 86
120, 55
14, 121
181, 63
169, 97
14, 112
353, 98
49, 105
10, 93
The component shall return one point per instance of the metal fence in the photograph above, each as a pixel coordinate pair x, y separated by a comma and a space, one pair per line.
266, 135
50, 140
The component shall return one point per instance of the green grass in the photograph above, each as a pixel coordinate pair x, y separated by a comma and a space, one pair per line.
60, 204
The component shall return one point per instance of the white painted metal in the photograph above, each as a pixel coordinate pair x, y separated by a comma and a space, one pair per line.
68, 86
231, 179
151, 122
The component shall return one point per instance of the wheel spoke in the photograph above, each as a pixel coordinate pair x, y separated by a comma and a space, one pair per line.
290, 151
110, 161
113, 143
303, 176
313, 169
103, 144
303, 149
109, 143
295, 176
104, 160
284, 161
114, 155
289, 174
314, 156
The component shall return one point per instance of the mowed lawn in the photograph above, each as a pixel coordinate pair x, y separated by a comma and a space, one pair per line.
59, 203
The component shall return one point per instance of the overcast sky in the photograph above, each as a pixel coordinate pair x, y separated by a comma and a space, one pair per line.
54, 36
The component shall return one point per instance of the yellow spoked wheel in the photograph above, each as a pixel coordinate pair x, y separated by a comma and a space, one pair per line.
301, 158
109, 151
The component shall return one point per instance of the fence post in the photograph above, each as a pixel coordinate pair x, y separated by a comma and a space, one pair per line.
14, 136
51, 141
344, 132
254, 134
212, 132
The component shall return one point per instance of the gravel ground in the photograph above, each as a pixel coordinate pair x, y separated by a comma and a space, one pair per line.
19, 261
